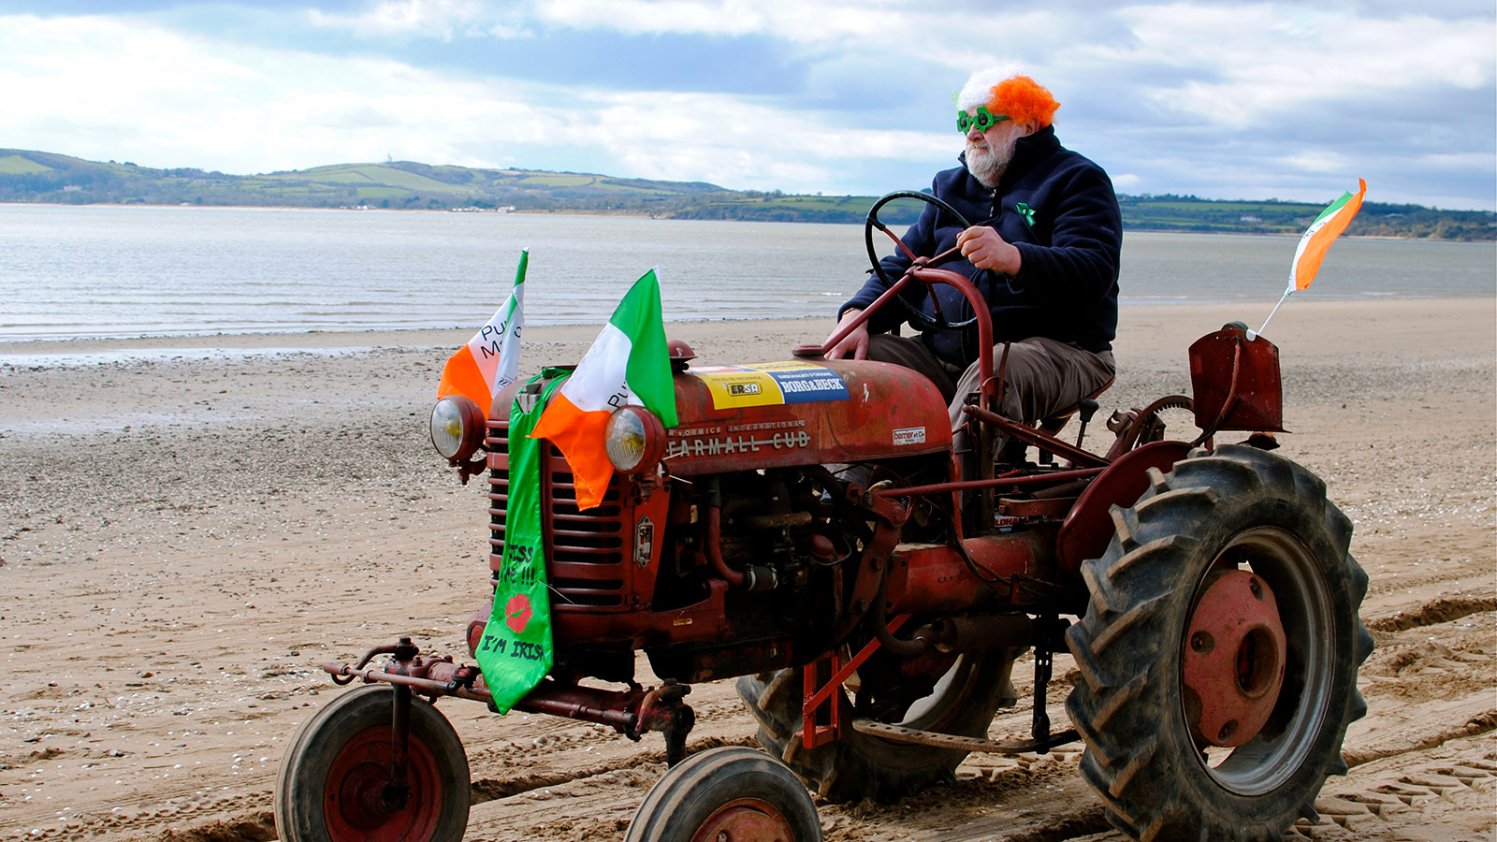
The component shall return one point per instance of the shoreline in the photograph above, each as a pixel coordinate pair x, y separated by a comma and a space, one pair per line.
13, 351
646, 214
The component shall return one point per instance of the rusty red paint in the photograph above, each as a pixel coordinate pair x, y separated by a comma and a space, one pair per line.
818, 692
744, 819
1233, 659
356, 808
1087, 529
1235, 382
931, 579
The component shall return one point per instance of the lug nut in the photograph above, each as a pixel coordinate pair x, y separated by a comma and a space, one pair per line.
1202, 642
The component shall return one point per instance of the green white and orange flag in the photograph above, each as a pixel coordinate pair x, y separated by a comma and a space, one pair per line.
491, 360
1319, 236
1315, 243
627, 364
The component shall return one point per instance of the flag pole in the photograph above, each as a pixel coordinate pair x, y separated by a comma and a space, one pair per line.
1254, 334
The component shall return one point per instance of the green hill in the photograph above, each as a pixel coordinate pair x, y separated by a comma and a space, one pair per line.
27, 176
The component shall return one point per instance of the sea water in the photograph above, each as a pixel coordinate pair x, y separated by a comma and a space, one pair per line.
113, 271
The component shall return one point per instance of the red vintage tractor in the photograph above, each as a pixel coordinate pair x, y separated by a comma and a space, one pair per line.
809, 529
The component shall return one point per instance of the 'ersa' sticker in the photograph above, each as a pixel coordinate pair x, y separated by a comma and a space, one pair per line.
770, 384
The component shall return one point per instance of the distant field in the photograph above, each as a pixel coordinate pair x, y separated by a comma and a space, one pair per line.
16, 165
372, 174
557, 180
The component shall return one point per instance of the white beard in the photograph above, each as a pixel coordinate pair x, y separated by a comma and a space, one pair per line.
987, 161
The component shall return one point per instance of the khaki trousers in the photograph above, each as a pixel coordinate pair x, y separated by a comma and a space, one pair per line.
1042, 377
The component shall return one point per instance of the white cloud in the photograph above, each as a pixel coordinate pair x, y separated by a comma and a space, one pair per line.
1199, 97
1456, 162
244, 110
792, 20
1243, 66
440, 19
1319, 160
685, 136
102, 89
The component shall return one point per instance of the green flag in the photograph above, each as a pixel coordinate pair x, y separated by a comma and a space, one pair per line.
515, 653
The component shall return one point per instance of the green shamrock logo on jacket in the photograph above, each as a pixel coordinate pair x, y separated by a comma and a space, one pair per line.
1027, 212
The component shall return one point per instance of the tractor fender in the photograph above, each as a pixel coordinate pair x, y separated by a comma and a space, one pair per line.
1088, 528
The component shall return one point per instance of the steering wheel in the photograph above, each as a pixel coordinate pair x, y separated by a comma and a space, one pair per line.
922, 320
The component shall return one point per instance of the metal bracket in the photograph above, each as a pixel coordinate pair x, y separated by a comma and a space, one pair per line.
663, 710
936, 739
814, 734
1049, 636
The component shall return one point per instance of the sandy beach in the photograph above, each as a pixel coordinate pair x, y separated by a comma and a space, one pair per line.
189, 526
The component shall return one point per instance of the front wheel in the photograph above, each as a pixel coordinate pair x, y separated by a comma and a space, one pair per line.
334, 782
1219, 650
729, 792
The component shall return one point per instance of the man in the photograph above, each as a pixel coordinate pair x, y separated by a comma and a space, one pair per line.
1043, 248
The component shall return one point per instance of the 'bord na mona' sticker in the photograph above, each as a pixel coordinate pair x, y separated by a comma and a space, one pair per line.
770, 384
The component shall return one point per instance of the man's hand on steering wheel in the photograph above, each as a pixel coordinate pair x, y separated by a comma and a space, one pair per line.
855, 344
985, 248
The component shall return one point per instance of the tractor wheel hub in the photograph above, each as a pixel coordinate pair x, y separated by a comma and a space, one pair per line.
1234, 656
744, 820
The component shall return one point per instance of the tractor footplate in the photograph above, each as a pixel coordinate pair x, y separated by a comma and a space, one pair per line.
901, 734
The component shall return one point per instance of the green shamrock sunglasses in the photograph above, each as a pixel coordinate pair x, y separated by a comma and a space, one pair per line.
983, 120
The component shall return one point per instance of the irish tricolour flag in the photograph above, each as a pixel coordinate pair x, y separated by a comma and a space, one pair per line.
1315, 243
627, 364
491, 359
1319, 236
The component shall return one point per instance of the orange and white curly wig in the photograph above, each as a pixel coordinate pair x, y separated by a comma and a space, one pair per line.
1009, 93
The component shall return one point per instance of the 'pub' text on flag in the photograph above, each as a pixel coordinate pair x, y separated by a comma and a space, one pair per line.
491, 360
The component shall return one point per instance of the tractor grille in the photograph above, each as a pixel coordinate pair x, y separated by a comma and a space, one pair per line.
584, 551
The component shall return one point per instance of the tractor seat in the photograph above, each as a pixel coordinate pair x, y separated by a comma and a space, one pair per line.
1088, 405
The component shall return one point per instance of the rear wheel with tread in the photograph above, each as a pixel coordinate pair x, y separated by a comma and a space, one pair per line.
1238, 748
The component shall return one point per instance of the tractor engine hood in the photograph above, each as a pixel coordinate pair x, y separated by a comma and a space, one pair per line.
769, 415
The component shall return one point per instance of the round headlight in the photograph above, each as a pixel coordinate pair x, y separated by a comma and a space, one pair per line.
634, 439
457, 427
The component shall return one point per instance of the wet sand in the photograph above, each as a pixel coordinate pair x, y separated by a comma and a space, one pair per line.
189, 526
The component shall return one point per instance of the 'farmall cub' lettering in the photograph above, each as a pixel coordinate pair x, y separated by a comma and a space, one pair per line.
786, 441
728, 445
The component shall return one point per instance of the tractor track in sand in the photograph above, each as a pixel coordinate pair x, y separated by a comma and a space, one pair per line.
1423, 762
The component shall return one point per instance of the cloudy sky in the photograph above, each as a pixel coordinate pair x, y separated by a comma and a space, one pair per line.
1288, 100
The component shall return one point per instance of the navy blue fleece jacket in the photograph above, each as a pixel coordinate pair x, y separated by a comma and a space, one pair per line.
1059, 209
